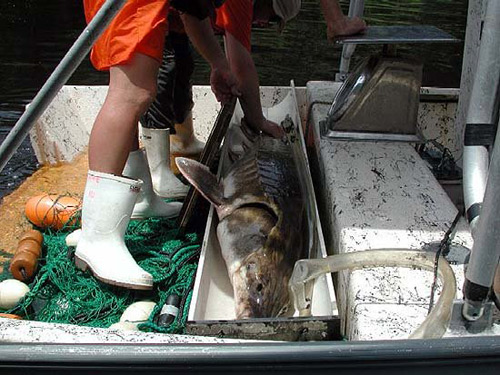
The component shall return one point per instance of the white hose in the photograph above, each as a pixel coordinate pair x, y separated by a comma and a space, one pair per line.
434, 325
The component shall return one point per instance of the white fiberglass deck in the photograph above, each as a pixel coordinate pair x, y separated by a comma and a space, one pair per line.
376, 195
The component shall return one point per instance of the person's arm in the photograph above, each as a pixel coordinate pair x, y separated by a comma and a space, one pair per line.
336, 23
243, 67
223, 82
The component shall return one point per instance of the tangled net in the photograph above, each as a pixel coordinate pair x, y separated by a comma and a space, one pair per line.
61, 293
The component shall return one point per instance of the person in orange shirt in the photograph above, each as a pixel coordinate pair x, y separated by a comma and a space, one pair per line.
235, 17
170, 112
119, 185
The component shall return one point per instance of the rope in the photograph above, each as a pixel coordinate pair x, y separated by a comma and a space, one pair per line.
444, 249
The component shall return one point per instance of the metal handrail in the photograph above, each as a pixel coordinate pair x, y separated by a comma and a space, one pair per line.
58, 78
482, 169
356, 9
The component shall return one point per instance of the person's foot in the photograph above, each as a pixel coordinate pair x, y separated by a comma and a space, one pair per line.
346, 26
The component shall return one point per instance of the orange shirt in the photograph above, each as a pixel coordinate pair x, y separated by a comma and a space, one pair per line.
235, 17
140, 26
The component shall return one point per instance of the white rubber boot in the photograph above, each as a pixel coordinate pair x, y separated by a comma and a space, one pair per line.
184, 143
73, 238
108, 202
165, 183
148, 204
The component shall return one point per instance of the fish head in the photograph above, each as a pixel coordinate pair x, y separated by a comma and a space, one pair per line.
255, 265
260, 288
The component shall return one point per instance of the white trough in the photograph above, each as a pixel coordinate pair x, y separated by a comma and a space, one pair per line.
212, 308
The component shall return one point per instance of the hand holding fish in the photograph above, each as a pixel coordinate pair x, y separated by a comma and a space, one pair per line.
271, 128
242, 137
239, 139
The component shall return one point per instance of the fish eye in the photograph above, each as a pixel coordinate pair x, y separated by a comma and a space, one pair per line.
250, 266
259, 287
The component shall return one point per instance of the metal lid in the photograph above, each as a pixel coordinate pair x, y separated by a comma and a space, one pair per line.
351, 88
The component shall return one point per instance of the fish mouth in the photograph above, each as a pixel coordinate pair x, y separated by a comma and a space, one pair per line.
246, 312
260, 291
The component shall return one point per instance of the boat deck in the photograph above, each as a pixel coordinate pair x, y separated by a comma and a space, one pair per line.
66, 178
68, 167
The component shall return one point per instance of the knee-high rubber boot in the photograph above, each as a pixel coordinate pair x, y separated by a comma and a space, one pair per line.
148, 204
157, 145
184, 142
108, 202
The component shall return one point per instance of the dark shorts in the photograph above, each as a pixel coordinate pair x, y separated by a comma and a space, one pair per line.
174, 99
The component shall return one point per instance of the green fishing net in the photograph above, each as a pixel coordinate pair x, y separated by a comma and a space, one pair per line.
60, 293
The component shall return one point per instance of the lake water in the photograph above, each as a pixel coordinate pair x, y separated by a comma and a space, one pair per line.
36, 34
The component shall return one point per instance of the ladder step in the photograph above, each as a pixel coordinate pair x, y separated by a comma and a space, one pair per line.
399, 35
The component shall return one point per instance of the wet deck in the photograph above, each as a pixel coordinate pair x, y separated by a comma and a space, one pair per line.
64, 178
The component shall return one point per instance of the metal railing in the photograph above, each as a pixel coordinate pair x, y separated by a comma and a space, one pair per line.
58, 78
356, 9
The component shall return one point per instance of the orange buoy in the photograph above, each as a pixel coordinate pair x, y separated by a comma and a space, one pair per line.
25, 261
52, 211
10, 316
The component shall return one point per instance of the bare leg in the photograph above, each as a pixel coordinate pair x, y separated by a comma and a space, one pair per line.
132, 87
338, 24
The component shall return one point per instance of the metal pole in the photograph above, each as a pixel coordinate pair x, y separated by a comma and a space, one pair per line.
475, 16
482, 115
486, 249
356, 9
58, 78
481, 120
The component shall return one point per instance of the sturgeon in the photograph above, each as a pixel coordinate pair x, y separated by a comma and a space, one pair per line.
262, 227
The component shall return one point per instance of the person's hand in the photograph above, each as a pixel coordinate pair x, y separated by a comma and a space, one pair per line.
345, 26
240, 137
268, 127
224, 84
271, 128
